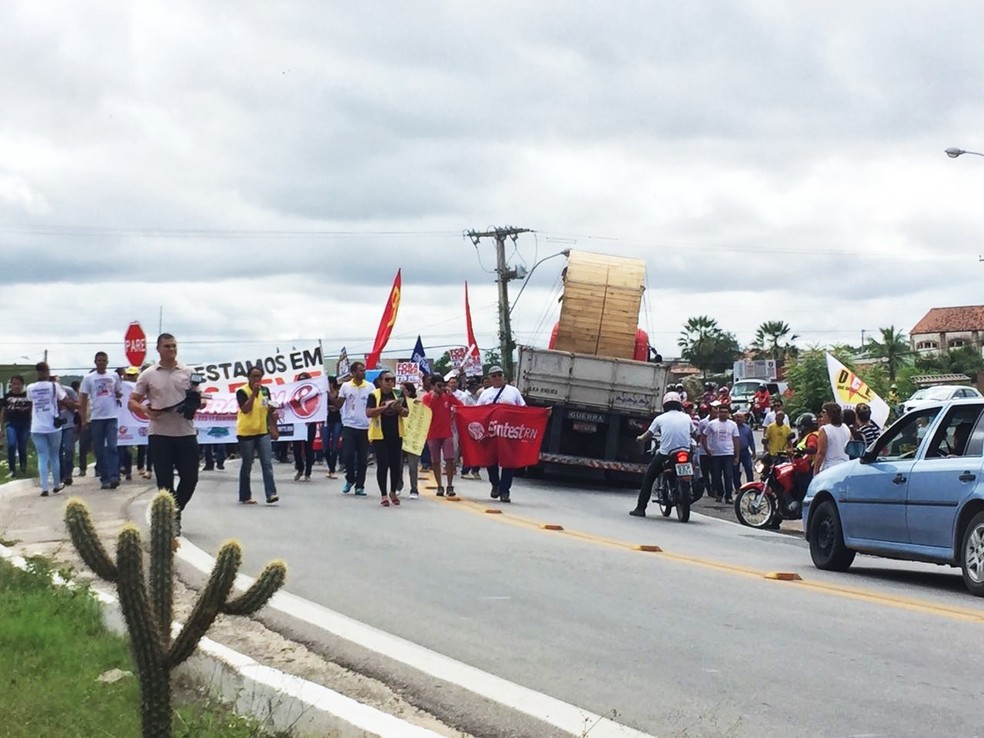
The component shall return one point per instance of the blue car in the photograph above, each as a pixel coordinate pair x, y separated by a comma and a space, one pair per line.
917, 493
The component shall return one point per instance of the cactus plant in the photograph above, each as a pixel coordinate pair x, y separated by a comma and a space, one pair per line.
147, 606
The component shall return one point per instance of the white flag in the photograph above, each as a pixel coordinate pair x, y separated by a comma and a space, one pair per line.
849, 390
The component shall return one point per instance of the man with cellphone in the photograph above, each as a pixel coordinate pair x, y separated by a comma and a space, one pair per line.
169, 389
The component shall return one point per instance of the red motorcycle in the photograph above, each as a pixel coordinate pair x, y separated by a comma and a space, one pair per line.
774, 497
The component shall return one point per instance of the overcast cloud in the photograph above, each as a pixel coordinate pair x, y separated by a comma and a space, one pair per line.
257, 172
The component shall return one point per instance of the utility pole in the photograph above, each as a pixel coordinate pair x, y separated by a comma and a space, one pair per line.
503, 275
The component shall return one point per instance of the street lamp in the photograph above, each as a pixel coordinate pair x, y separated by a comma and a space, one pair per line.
565, 252
953, 152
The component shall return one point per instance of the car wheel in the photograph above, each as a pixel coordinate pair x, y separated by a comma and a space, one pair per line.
827, 547
972, 556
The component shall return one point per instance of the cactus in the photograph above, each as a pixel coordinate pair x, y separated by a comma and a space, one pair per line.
147, 606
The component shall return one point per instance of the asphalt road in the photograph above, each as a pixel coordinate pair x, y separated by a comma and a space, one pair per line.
692, 641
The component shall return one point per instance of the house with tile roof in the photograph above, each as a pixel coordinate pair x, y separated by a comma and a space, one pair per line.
945, 328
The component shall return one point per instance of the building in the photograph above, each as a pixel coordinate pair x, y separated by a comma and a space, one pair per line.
942, 329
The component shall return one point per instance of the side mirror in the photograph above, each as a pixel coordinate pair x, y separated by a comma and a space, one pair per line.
854, 449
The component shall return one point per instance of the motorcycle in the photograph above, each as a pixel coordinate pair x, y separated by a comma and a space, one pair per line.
674, 487
773, 498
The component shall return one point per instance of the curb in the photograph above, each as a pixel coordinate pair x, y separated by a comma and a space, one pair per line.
280, 701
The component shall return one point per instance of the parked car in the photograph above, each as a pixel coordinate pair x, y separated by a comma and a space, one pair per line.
917, 493
939, 393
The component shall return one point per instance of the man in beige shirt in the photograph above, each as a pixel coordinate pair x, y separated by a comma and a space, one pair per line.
161, 393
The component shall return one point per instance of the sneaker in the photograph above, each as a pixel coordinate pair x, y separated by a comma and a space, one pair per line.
114, 484
504, 498
346, 488
476, 476
297, 476
58, 489
220, 467
384, 502
414, 494
307, 477
250, 501
637, 513
271, 500
440, 491
394, 499
451, 491
44, 493
68, 482
82, 473
360, 491
331, 475
104, 486
495, 493
130, 478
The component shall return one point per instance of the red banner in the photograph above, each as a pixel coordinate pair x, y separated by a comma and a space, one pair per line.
507, 435
386, 323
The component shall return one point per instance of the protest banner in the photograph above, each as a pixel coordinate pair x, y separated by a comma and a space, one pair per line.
507, 435
415, 426
407, 371
849, 389
278, 367
295, 404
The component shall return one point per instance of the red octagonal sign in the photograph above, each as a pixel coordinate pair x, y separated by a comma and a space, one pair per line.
135, 344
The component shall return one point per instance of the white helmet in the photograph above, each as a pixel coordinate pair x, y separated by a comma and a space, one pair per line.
672, 397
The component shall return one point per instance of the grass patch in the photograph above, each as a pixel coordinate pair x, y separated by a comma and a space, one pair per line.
32, 465
54, 648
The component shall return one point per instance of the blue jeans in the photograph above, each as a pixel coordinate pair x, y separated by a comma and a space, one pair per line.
215, 455
17, 436
67, 452
330, 435
264, 447
501, 479
744, 462
48, 446
104, 434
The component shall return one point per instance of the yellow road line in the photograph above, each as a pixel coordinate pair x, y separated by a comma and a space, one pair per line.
861, 595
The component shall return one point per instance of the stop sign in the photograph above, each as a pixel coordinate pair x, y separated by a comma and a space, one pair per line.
135, 344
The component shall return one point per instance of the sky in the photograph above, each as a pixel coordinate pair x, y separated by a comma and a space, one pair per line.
251, 176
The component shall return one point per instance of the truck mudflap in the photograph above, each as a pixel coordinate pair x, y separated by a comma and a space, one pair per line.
625, 466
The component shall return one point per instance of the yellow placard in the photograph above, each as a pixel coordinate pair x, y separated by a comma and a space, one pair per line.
415, 426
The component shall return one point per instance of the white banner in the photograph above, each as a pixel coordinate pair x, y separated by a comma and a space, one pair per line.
296, 403
407, 371
849, 389
278, 367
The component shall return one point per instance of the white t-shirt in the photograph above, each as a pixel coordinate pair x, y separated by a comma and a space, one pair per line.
354, 400
510, 396
101, 390
674, 429
837, 439
44, 396
721, 437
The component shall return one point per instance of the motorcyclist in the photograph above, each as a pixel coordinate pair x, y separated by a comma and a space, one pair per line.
679, 388
806, 445
675, 430
709, 395
760, 403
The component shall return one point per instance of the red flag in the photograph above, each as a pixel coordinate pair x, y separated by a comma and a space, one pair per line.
386, 323
472, 363
507, 435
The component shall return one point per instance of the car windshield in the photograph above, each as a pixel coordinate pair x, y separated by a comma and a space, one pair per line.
743, 389
932, 393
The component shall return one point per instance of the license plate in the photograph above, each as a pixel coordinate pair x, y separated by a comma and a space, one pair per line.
684, 470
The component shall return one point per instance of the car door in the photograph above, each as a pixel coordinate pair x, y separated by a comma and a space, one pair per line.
949, 470
872, 502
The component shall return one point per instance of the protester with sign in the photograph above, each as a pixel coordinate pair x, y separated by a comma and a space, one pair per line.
167, 388
440, 439
47, 398
500, 393
15, 414
102, 390
352, 398
256, 427
415, 428
386, 412
331, 430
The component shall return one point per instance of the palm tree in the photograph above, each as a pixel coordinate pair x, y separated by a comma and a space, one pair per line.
704, 344
893, 348
768, 337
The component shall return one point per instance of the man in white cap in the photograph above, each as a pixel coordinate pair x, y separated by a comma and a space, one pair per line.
500, 393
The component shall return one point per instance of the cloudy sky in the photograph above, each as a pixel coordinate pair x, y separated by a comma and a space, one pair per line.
252, 175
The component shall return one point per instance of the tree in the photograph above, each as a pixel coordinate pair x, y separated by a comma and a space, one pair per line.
962, 360
706, 346
769, 341
810, 381
893, 348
